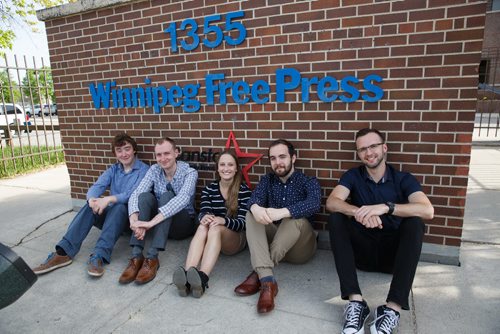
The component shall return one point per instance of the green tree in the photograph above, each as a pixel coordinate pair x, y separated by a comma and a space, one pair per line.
38, 83
7, 85
20, 12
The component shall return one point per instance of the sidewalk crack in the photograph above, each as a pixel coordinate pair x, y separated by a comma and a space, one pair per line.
481, 242
413, 315
133, 314
39, 226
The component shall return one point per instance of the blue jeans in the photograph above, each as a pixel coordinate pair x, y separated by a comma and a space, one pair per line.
112, 221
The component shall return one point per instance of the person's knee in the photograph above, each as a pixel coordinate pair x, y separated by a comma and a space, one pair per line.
216, 230
120, 209
249, 219
412, 226
337, 220
202, 231
165, 198
146, 197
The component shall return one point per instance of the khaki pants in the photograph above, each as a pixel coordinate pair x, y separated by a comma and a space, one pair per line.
294, 241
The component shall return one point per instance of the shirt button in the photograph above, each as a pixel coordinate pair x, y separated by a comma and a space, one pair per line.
283, 198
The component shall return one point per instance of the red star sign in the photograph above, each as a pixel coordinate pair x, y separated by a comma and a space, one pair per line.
240, 154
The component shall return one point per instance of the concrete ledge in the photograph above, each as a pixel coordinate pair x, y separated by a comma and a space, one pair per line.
440, 254
430, 252
76, 8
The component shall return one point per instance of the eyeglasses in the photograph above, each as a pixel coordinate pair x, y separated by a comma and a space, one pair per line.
371, 147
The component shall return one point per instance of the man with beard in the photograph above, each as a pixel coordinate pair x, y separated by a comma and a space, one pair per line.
379, 229
278, 225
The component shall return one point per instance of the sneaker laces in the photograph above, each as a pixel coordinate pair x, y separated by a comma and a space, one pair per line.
352, 314
390, 320
50, 257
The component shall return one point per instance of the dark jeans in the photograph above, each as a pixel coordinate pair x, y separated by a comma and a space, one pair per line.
178, 227
388, 251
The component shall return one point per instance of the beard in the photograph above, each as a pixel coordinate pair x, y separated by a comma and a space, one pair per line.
284, 170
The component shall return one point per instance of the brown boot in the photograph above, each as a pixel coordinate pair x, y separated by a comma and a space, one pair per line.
268, 291
129, 274
250, 285
148, 271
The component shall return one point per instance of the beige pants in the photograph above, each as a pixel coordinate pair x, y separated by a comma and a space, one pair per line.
294, 241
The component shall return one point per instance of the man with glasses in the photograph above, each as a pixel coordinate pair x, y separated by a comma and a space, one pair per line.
161, 206
379, 229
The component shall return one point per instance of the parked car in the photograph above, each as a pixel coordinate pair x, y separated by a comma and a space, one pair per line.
10, 114
37, 111
52, 110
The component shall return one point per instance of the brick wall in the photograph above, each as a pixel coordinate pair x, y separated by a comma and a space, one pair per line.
427, 52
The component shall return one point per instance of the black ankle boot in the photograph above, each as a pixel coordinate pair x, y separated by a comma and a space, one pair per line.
198, 281
180, 280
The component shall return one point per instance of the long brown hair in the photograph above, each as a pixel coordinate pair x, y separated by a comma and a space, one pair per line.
234, 188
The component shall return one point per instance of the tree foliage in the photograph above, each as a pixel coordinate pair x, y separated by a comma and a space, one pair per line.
8, 89
19, 12
39, 84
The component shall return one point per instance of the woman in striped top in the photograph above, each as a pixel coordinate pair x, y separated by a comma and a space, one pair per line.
221, 229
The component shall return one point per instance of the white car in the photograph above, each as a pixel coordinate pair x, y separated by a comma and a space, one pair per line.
10, 114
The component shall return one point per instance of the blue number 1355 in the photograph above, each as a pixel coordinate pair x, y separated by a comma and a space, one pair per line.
210, 29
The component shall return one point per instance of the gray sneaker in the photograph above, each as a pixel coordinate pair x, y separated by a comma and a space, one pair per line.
53, 262
386, 321
355, 315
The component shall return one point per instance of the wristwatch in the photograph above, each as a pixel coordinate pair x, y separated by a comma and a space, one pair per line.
391, 208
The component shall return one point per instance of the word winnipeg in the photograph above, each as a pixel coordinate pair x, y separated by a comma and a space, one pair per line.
218, 91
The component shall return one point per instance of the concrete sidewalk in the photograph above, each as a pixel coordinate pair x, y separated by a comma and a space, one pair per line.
36, 210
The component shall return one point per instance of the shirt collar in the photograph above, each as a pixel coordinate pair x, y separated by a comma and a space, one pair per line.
387, 174
289, 180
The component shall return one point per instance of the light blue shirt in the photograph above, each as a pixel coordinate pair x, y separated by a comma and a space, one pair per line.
183, 185
119, 183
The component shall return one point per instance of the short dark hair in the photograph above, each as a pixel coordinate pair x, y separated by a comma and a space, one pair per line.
167, 139
122, 139
365, 131
291, 149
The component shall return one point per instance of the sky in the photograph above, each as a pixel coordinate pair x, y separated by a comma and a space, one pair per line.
29, 44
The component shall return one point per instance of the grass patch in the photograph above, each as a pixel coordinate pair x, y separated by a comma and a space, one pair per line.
13, 163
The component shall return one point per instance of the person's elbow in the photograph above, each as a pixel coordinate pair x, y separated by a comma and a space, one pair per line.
331, 204
428, 213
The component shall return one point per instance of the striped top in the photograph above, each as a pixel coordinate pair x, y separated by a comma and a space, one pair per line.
213, 203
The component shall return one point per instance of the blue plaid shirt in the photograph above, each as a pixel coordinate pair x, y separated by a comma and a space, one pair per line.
301, 194
183, 184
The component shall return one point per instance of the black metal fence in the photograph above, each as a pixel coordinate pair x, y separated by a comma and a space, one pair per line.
486, 123
29, 124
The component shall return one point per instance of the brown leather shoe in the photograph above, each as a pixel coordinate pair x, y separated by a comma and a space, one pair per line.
129, 274
148, 271
268, 291
250, 285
